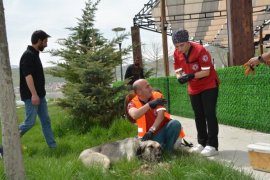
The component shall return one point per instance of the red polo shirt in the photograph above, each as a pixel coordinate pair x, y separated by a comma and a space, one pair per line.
198, 59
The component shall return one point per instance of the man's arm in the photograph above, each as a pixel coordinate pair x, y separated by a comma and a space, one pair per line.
149, 135
137, 113
30, 83
128, 73
264, 58
141, 73
159, 119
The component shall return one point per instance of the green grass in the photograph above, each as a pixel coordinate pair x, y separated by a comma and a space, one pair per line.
62, 163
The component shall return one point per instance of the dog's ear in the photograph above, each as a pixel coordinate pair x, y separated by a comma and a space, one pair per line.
140, 149
139, 152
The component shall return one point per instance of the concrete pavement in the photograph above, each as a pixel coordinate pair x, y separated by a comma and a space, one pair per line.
233, 144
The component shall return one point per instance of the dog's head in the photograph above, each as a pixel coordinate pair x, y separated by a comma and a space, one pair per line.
149, 151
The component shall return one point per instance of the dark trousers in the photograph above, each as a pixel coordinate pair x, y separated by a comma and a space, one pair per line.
204, 107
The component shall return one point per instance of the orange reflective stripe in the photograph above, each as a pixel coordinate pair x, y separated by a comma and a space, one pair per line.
182, 133
141, 122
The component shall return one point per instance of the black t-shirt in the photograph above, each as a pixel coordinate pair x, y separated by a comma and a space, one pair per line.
30, 64
134, 73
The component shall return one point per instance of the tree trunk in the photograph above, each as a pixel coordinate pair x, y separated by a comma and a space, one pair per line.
13, 161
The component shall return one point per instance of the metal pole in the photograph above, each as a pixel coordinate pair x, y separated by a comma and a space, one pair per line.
116, 30
121, 63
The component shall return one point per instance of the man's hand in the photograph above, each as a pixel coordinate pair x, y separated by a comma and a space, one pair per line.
35, 100
185, 78
248, 69
253, 62
156, 102
148, 136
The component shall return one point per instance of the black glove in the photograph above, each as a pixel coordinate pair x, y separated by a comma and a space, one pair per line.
148, 136
185, 78
156, 102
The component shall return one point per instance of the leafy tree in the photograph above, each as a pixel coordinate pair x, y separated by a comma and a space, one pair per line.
87, 65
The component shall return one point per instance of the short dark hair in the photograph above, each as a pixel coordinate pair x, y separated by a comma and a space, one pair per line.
180, 36
39, 34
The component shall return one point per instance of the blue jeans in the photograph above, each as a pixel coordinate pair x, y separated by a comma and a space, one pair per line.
168, 135
31, 113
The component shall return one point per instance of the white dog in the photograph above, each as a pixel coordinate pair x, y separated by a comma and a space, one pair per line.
128, 148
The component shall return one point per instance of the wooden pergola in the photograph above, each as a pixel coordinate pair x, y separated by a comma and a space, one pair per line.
238, 26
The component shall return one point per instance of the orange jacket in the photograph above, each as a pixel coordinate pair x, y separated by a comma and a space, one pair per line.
145, 122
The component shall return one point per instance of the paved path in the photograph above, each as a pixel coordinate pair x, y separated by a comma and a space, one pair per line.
233, 144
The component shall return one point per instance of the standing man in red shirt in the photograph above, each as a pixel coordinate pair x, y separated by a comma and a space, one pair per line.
192, 64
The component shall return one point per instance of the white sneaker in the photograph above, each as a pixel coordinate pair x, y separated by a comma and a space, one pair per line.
197, 149
209, 151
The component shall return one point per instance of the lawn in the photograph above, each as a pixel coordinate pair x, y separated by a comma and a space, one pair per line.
62, 163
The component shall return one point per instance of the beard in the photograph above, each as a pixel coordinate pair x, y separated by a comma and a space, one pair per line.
41, 47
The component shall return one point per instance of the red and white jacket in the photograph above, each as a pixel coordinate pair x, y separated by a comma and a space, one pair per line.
198, 59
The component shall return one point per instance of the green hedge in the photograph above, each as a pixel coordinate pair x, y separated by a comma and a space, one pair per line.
244, 101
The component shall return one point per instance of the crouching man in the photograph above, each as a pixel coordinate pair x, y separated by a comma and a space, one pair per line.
154, 123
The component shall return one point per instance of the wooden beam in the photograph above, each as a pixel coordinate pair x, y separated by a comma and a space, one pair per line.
164, 37
240, 31
136, 44
261, 41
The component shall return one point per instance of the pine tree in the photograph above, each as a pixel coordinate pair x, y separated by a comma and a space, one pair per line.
87, 65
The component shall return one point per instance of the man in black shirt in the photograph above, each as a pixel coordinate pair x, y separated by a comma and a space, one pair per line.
134, 72
32, 88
